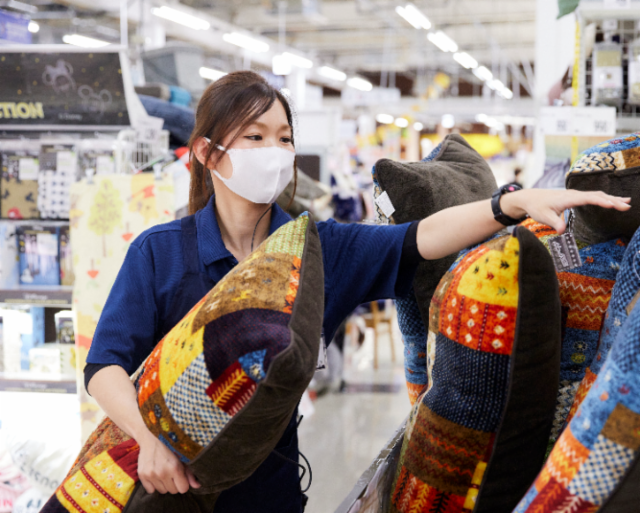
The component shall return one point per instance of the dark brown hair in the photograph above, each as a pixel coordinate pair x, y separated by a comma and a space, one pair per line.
233, 102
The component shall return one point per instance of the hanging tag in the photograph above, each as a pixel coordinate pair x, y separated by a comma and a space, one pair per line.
564, 249
384, 202
322, 355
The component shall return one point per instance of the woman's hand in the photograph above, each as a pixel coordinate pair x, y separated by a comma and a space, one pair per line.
160, 470
547, 206
456, 228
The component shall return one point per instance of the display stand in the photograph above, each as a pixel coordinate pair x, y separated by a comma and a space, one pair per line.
618, 26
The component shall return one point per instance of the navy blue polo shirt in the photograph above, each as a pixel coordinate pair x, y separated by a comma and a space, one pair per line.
361, 264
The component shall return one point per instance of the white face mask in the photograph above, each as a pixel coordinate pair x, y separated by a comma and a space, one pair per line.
259, 174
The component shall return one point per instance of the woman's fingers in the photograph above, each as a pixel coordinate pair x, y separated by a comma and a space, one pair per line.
147, 485
193, 482
599, 198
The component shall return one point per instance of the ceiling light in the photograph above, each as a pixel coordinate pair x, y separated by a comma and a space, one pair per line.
495, 84
442, 41
402, 122
361, 84
385, 119
331, 73
83, 41
483, 73
280, 65
491, 122
21, 6
414, 16
465, 60
247, 42
481, 118
417, 126
297, 60
211, 74
448, 121
507, 93
181, 17
33, 27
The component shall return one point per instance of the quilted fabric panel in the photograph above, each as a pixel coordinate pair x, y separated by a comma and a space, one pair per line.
596, 452
615, 154
195, 383
585, 293
453, 429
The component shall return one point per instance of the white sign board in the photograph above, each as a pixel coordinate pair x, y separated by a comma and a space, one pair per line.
377, 96
580, 121
617, 4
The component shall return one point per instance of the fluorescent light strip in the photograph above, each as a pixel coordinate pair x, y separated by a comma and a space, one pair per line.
402, 122
297, 60
507, 93
211, 74
246, 42
361, 84
21, 6
465, 60
331, 73
181, 17
442, 41
83, 41
414, 16
385, 119
483, 73
33, 27
417, 126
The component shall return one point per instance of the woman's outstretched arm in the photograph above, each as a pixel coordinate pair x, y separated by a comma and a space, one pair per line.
456, 228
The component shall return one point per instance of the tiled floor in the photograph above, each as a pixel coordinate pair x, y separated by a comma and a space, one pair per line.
347, 430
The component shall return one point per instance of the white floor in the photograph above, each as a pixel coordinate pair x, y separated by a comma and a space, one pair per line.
347, 430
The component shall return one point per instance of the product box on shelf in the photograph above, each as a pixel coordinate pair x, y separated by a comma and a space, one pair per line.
58, 163
64, 327
9, 269
66, 261
38, 255
19, 184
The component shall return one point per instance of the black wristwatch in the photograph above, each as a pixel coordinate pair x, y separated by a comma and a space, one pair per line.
498, 214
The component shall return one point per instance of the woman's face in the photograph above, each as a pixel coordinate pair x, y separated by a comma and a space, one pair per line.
270, 129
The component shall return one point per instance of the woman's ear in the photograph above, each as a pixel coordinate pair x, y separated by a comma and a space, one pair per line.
201, 149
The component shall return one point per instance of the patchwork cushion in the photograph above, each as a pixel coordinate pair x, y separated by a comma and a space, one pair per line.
221, 387
595, 464
623, 299
613, 167
477, 436
585, 293
453, 174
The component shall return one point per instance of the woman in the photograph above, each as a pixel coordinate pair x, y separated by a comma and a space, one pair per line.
242, 148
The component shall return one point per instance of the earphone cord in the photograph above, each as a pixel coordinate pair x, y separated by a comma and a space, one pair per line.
256, 228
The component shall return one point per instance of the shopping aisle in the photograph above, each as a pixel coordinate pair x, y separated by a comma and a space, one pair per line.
349, 429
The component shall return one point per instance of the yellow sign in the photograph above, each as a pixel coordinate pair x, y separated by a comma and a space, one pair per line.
21, 110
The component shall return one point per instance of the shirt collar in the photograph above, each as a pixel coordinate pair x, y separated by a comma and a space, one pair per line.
210, 245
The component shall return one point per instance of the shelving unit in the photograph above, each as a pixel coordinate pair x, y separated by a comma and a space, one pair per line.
604, 15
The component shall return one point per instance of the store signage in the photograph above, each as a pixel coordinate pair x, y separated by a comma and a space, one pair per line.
579, 121
377, 96
618, 4
49, 91
14, 29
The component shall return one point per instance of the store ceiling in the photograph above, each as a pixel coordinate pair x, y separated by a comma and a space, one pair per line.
357, 36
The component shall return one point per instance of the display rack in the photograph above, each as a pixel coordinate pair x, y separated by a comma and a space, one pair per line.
617, 21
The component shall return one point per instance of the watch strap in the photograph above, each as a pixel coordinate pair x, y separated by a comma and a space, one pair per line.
498, 214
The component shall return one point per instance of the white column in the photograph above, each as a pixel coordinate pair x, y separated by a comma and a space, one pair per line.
554, 54
297, 84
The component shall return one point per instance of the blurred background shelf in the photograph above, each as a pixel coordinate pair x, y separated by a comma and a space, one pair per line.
54, 296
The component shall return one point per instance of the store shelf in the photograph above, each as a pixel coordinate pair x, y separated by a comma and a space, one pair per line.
43, 383
57, 296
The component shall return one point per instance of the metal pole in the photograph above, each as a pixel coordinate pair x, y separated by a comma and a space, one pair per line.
124, 24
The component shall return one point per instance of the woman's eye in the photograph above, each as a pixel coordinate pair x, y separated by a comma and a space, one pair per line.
286, 140
254, 137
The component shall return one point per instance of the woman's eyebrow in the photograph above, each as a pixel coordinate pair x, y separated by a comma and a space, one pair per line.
259, 124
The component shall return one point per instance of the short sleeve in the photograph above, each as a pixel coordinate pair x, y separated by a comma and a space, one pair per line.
362, 263
126, 329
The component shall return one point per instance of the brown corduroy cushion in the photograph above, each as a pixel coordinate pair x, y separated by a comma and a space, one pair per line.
456, 176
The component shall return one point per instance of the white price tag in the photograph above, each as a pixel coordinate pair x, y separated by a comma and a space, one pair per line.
579, 121
149, 129
384, 203
609, 25
28, 169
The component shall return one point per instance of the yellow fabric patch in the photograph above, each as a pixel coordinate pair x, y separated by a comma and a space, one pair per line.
179, 349
479, 473
493, 277
470, 501
104, 473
